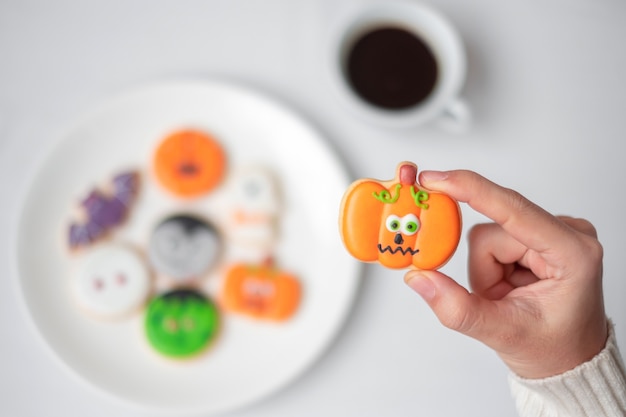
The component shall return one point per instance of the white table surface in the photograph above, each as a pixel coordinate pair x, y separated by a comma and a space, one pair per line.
546, 83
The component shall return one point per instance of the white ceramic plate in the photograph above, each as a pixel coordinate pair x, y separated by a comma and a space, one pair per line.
250, 360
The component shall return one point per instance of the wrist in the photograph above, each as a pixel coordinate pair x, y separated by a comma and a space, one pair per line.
596, 387
557, 355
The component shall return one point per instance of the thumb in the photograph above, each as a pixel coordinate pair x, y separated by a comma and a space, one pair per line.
454, 306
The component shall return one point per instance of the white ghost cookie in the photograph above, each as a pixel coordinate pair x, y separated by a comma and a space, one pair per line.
111, 281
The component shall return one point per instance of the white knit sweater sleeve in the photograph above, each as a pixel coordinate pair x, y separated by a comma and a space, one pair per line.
592, 389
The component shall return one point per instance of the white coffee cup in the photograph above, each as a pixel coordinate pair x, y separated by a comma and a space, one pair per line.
443, 105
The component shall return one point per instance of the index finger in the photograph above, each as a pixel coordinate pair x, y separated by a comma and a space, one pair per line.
525, 221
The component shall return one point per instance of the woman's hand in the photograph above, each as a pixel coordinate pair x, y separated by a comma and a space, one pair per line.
536, 280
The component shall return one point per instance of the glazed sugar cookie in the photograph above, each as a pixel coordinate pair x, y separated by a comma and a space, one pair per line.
261, 291
181, 323
189, 163
184, 247
111, 281
103, 210
254, 207
398, 223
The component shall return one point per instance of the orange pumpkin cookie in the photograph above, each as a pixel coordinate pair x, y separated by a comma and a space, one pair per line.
189, 163
261, 291
398, 223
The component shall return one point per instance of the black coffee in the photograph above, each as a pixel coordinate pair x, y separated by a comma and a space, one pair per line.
391, 68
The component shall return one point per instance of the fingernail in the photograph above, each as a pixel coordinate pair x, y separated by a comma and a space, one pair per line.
433, 176
421, 285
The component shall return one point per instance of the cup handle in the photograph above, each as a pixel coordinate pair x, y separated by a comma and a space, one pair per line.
456, 118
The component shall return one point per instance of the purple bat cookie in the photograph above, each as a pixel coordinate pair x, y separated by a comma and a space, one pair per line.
104, 212
125, 187
84, 234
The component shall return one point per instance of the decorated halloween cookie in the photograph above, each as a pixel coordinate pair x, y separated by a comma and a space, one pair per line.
398, 223
189, 163
111, 281
184, 246
103, 210
255, 206
181, 323
261, 291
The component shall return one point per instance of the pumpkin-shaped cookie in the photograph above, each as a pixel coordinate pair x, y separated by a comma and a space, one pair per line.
261, 291
398, 223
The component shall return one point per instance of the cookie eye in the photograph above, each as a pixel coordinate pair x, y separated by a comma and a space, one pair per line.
251, 287
410, 224
170, 325
188, 324
121, 279
266, 290
98, 284
252, 189
393, 223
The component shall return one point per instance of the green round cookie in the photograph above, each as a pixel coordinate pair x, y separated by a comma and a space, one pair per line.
181, 323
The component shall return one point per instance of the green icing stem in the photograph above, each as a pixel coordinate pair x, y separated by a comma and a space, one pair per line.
419, 197
386, 197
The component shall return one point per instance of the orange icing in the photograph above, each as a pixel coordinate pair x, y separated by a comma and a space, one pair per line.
189, 163
398, 223
261, 291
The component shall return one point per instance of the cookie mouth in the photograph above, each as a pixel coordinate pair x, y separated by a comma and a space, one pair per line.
256, 304
188, 169
397, 249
